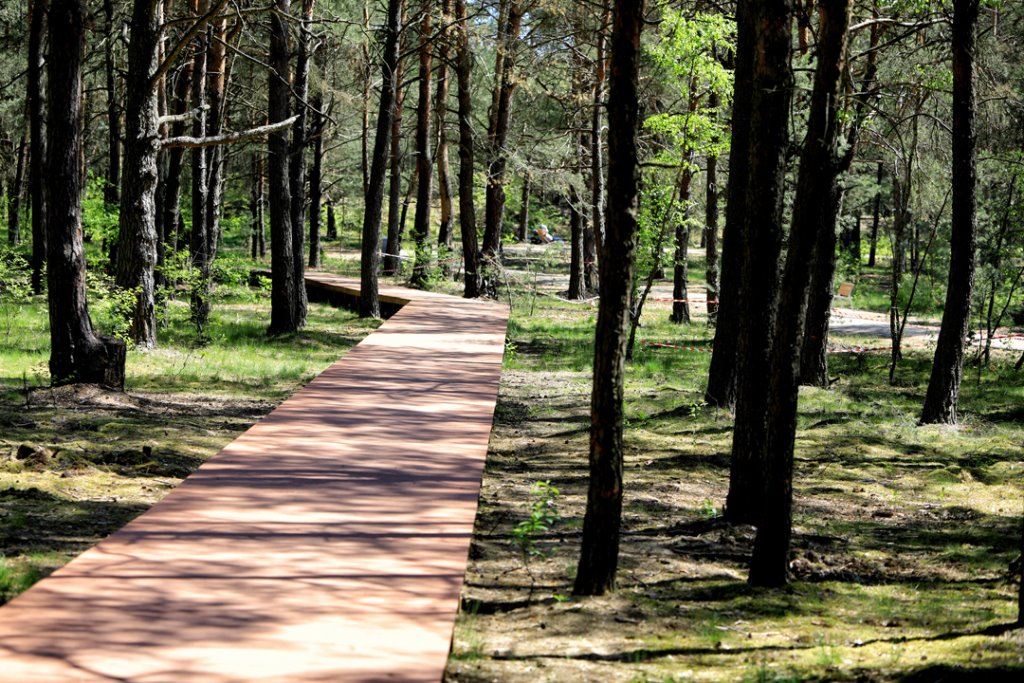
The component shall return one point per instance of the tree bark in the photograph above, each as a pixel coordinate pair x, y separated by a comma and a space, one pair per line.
600, 551
711, 231
523, 233
77, 354
297, 158
818, 193
467, 209
424, 151
171, 205
37, 12
137, 240
497, 138
577, 285
597, 170
396, 222
876, 216
110, 191
316, 181
446, 229
762, 244
332, 225
369, 299
721, 390
256, 204
940, 402
681, 266
15, 194
199, 233
284, 288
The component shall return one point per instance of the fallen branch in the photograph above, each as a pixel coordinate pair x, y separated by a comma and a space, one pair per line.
227, 138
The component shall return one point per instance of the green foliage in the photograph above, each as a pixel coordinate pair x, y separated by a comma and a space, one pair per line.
99, 219
15, 286
111, 306
543, 515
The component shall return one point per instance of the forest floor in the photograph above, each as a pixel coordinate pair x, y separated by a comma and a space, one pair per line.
904, 535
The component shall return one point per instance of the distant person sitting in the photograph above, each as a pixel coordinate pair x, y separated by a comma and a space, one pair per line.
543, 236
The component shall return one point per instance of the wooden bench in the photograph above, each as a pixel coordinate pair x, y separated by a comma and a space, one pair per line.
327, 543
845, 292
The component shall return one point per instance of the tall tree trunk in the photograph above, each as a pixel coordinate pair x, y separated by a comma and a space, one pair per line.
497, 138
721, 390
367, 66
577, 285
762, 229
446, 229
396, 221
137, 241
424, 151
199, 234
297, 159
77, 354
316, 181
523, 233
284, 288
940, 402
37, 12
256, 203
110, 191
711, 231
600, 552
597, 170
467, 209
171, 205
369, 299
681, 260
15, 194
818, 193
590, 279
876, 216
332, 225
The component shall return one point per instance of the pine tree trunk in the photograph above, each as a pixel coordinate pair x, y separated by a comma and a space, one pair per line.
316, 182
817, 195
297, 158
876, 216
369, 300
763, 230
597, 169
467, 209
681, 263
199, 235
17, 191
600, 551
721, 390
77, 354
367, 66
396, 222
284, 289
523, 232
38, 12
711, 232
332, 225
577, 286
171, 205
446, 229
424, 151
940, 402
137, 241
256, 205
110, 191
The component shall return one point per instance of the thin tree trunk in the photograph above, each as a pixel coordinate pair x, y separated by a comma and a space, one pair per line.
711, 231
876, 216
446, 229
597, 170
332, 224
763, 229
77, 354
600, 551
110, 191
37, 11
369, 300
424, 151
818, 193
590, 279
681, 261
721, 390
297, 158
497, 139
524, 210
257, 204
467, 209
396, 222
316, 182
943, 394
199, 234
284, 288
364, 160
137, 241
16, 192
171, 205
577, 285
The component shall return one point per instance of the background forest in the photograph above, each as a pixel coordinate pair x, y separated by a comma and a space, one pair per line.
774, 493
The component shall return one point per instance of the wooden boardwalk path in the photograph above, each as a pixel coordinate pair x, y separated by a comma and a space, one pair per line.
327, 543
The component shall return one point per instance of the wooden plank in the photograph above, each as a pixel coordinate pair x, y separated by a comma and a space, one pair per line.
327, 543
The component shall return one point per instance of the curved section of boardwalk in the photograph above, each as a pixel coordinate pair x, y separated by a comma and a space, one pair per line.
327, 543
